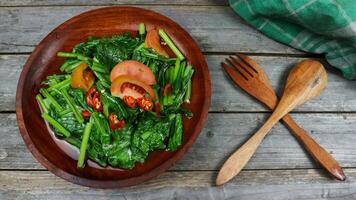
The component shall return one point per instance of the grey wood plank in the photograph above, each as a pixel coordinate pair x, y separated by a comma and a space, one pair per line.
339, 95
251, 185
109, 2
215, 28
10, 69
222, 134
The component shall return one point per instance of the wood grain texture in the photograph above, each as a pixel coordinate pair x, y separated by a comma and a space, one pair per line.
249, 185
215, 28
109, 2
260, 87
339, 96
279, 150
306, 80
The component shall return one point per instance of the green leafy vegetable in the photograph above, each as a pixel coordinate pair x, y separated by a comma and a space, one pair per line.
55, 124
72, 106
175, 138
70, 112
50, 98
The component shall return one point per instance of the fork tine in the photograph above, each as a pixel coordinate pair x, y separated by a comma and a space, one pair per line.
233, 74
237, 66
246, 59
243, 66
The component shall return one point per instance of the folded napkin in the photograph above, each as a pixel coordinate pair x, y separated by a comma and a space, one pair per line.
316, 26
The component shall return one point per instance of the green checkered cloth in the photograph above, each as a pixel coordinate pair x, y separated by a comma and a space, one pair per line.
316, 26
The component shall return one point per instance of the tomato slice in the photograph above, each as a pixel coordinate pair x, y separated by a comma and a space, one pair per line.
153, 41
82, 77
145, 103
115, 123
130, 101
128, 86
134, 69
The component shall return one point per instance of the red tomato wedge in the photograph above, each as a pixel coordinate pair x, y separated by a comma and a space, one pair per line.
153, 41
135, 69
128, 86
82, 77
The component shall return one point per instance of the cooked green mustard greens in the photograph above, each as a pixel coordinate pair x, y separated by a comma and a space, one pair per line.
71, 118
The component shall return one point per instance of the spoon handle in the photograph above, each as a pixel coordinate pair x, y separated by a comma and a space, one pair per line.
315, 150
234, 164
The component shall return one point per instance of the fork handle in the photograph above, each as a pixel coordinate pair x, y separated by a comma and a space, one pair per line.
315, 150
234, 164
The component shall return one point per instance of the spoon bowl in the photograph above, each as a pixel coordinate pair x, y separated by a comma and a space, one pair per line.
305, 81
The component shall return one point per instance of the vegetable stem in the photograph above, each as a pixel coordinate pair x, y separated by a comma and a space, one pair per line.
155, 90
60, 85
171, 75
141, 28
67, 64
56, 105
106, 110
55, 124
42, 103
104, 80
98, 67
175, 139
84, 145
72, 55
170, 43
75, 110
175, 74
64, 112
70, 68
188, 92
97, 123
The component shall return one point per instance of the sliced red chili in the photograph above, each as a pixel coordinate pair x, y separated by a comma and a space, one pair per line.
94, 100
90, 95
115, 123
158, 107
130, 101
85, 114
97, 105
167, 89
145, 103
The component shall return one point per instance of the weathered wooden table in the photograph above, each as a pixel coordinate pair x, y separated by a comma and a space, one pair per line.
280, 169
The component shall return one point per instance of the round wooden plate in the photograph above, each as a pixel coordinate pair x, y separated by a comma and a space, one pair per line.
43, 62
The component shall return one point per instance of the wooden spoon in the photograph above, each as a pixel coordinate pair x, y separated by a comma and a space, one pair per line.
306, 80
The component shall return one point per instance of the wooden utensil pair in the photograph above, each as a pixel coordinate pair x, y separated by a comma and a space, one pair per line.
306, 80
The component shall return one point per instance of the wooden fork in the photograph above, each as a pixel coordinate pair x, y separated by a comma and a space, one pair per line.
247, 74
